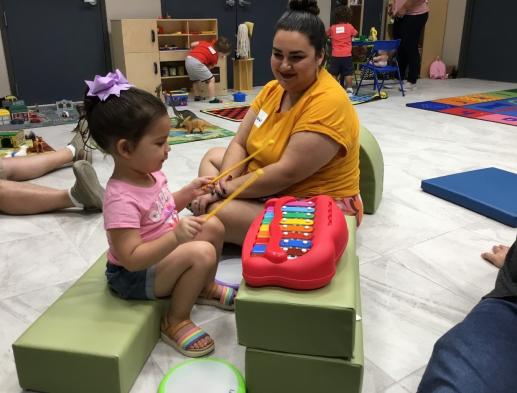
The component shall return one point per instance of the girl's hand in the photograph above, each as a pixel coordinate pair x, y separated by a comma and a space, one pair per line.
200, 205
188, 228
201, 186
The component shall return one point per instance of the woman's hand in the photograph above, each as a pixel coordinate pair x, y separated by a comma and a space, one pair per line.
187, 228
223, 187
200, 205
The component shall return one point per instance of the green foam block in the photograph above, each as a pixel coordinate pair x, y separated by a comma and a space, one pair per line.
276, 372
320, 322
89, 340
371, 166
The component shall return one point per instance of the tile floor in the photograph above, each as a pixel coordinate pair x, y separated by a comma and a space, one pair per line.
420, 265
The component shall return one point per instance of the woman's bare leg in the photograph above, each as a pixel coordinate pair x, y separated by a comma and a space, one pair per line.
237, 217
36, 165
211, 162
27, 198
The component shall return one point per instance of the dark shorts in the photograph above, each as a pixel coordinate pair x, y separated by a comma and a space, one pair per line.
341, 66
131, 285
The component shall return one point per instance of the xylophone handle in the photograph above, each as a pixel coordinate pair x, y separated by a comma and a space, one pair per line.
274, 252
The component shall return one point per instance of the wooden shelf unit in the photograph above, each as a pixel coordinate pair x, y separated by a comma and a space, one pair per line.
148, 51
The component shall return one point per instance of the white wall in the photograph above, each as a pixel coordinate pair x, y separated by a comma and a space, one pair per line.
325, 11
120, 9
115, 9
5, 89
453, 31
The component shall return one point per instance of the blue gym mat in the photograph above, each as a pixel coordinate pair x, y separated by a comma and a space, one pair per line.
491, 192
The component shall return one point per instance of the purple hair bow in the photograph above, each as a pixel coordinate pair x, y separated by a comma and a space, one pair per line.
104, 86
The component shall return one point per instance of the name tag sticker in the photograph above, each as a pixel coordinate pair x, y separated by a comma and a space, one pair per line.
261, 118
212, 50
340, 29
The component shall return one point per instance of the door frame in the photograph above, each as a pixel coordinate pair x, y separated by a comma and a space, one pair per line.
7, 52
465, 38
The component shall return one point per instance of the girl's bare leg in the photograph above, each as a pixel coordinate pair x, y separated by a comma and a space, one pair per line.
183, 275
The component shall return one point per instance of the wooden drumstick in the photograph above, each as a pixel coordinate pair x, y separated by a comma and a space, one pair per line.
227, 171
259, 172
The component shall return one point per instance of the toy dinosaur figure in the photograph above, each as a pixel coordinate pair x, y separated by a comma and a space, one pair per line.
191, 124
183, 114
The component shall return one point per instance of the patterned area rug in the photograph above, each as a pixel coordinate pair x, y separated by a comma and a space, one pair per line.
181, 135
495, 106
232, 113
237, 113
361, 99
47, 116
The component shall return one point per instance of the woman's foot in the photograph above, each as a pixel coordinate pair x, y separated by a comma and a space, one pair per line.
186, 337
497, 256
215, 101
219, 296
87, 191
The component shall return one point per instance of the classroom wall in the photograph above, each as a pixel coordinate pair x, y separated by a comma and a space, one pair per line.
115, 9
325, 11
5, 89
120, 9
453, 32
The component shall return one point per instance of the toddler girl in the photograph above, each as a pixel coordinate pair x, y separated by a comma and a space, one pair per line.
152, 252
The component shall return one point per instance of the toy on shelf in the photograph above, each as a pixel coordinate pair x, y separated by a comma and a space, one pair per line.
295, 243
373, 34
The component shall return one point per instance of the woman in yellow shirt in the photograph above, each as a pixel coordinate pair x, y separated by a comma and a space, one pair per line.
312, 121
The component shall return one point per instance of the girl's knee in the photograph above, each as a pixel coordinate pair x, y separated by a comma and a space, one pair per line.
204, 255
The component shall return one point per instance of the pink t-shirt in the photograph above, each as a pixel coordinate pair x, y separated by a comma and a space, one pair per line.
341, 38
419, 8
151, 210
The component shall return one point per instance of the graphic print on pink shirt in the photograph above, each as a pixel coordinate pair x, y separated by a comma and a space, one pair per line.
151, 210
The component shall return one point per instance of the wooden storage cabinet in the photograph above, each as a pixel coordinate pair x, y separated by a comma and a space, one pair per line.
151, 52
135, 52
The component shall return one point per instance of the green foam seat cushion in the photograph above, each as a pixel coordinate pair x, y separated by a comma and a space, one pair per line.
371, 166
277, 372
319, 322
89, 340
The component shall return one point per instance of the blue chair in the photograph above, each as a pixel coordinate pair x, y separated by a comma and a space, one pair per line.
380, 73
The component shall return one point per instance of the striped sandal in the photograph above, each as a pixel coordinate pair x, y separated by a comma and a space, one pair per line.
225, 300
183, 336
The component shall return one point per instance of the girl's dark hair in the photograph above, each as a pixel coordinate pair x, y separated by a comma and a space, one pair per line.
302, 16
342, 14
124, 117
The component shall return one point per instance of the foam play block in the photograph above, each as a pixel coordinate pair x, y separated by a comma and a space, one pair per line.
318, 322
371, 167
491, 192
277, 372
89, 340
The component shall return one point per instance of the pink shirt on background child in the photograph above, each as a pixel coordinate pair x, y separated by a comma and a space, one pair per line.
419, 8
151, 210
341, 36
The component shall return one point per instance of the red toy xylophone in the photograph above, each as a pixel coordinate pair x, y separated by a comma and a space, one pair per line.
295, 243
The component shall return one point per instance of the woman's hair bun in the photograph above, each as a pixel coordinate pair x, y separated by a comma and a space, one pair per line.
310, 6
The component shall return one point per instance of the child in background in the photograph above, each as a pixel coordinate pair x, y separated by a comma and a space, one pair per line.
341, 34
201, 59
152, 252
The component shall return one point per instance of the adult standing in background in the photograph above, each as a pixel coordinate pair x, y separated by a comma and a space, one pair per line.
410, 19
